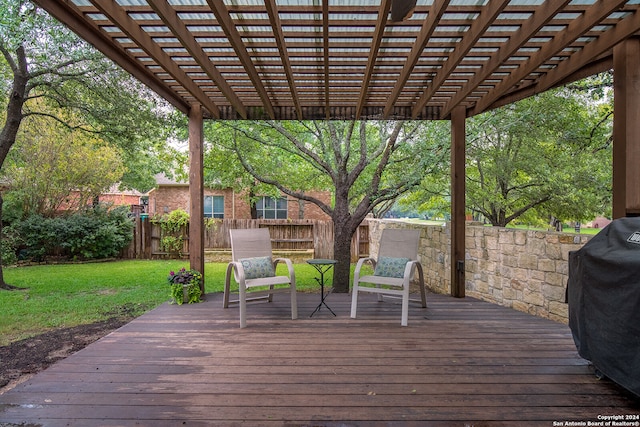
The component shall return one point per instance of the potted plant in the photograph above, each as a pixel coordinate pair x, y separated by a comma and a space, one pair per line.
185, 286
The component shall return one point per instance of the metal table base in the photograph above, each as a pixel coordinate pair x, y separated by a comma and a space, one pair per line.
323, 266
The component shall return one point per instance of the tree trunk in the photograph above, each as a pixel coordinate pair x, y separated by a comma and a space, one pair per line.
343, 231
252, 204
12, 124
342, 254
3, 285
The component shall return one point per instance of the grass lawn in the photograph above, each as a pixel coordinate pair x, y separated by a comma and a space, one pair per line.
65, 295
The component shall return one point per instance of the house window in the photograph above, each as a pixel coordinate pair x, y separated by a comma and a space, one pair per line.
272, 208
214, 206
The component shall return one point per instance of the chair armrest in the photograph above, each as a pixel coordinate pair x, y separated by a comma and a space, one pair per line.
408, 269
289, 264
237, 270
409, 272
361, 261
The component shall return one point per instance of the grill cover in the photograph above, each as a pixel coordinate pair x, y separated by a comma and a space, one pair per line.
603, 293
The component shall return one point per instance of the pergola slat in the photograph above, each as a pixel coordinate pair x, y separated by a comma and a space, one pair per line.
477, 29
227, 24
145, 42
344, 60
575, 29
169, 17
428, 27
537, 21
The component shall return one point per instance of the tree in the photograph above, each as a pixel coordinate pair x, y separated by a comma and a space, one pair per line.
364, 164
52, 168
535, 156
43, 64
431, 198
223, 169
547, 155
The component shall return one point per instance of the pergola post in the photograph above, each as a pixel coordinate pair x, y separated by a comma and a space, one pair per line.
458, 202
626, 128
196, 191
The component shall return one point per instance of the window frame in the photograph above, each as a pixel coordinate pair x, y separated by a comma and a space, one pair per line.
268, 207
213, 213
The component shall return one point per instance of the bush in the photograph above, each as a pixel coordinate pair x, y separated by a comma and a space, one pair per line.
8, 248
93, 233
36, 237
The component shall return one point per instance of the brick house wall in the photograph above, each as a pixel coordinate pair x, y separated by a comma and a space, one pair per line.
120, 199
113, 196
167, 197
309, 210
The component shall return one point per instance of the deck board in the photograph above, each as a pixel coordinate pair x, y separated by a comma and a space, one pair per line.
459, 362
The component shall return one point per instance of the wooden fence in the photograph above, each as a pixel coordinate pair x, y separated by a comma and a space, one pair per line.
311, 238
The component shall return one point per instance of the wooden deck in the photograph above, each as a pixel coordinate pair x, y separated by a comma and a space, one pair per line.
460, 362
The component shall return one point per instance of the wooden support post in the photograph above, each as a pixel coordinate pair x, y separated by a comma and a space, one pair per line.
458, 202
196, 191
626, 128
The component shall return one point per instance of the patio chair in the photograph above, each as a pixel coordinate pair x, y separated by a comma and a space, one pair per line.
252, 267
393, 270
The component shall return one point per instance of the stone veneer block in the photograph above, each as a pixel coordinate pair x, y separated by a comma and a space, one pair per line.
525, 270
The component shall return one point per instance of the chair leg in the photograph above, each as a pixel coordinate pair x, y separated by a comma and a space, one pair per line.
227, 286
243, 306
354, 300
405, 306
423, 292
294, 303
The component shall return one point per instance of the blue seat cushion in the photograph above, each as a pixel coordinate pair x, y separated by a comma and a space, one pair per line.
390, 266
257, 267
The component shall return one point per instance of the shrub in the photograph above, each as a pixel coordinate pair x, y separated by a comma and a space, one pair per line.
8, 247
36, 237
94, 233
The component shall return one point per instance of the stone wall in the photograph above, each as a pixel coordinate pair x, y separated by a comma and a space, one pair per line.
522, 269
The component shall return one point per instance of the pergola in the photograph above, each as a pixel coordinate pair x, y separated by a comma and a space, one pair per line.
354, 59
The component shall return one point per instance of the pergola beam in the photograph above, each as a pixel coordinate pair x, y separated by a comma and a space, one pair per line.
91, 33
480, 25
129, 26
228, 26
325, 58
626, 129
616, 35
272, 10
170, 18
540, 18
599, 11
428, 27
381, 23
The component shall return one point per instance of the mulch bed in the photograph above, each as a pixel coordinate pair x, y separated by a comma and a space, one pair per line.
22, 359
